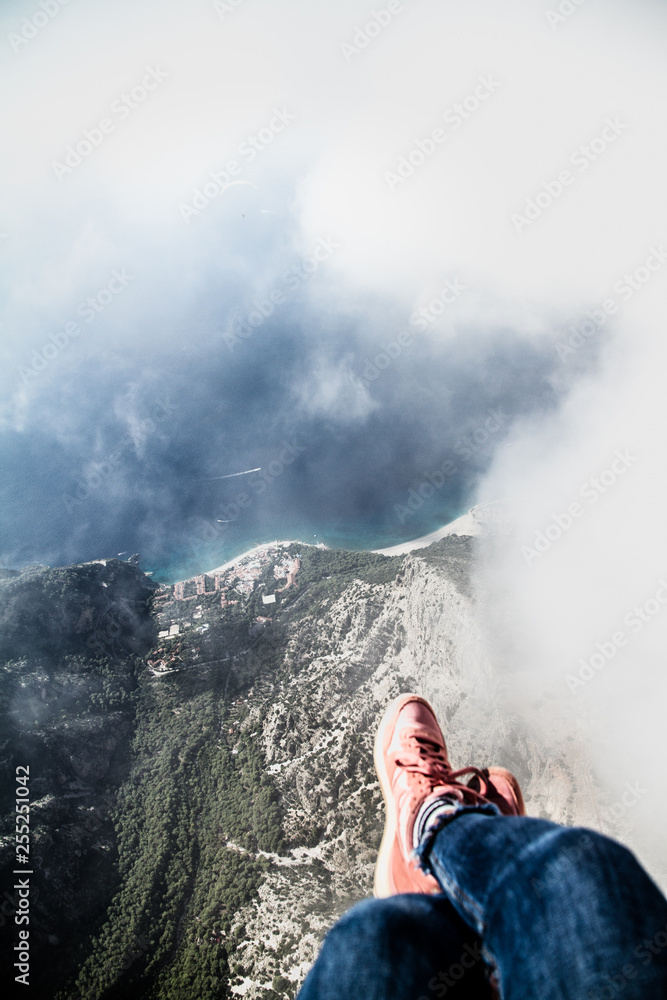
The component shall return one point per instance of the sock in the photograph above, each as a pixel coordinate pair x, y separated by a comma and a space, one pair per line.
430, 813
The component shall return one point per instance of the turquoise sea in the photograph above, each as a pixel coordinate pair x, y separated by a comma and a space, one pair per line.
201, 554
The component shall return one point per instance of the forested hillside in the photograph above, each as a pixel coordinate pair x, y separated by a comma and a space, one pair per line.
202, 793
155, 815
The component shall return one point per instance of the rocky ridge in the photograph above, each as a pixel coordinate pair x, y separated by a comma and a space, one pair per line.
235, 809
419, 633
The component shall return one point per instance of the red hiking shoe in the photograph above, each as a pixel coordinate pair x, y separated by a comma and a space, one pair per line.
498, 785
415, 773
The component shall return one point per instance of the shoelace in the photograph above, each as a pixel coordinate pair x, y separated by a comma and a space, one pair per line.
433, 766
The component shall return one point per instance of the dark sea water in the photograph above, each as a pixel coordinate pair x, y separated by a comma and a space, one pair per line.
233, 540
220, 451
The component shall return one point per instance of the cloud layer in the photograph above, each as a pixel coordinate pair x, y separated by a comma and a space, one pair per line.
350, 249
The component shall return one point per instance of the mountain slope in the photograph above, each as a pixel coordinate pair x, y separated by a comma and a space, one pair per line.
227, 809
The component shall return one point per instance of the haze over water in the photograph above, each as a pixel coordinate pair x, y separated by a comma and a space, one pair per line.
429, 226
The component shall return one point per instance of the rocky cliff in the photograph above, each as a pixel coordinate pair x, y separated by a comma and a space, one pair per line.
421, 633
197, 836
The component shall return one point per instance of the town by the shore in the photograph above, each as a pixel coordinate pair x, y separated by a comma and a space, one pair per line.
467, 524
257, 550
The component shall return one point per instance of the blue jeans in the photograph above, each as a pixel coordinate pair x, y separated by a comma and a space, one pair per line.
546, 912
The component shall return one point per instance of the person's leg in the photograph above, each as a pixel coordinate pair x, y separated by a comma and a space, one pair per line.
564, 914
407, 947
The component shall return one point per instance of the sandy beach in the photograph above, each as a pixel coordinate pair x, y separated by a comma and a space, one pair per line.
464, 525
252, 552
467, 524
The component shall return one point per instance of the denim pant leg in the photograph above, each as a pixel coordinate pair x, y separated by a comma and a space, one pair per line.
407, 947
563, 913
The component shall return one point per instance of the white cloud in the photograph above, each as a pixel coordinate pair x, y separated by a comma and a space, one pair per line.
595, 563
334, 392
452, 216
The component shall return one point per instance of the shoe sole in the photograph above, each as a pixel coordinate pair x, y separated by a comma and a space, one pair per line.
382, 886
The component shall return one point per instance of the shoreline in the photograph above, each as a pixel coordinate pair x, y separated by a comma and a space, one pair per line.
254, 551
466, 524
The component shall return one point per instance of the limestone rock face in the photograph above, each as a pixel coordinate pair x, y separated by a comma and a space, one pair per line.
241, 764
420, 633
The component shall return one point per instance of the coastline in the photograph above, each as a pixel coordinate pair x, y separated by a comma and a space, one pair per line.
464, 525
467, 524
252, 552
